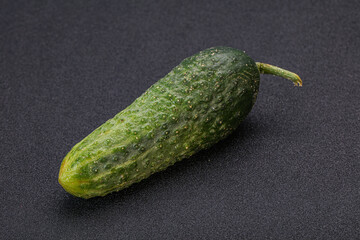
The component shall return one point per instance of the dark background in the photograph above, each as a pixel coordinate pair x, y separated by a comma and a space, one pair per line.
290, 171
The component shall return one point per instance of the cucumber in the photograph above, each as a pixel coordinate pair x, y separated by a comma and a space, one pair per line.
198, 103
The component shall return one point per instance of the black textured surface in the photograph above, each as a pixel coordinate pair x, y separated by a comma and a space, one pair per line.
291, 170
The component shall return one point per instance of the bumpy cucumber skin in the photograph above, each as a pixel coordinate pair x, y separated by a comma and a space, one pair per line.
198, 103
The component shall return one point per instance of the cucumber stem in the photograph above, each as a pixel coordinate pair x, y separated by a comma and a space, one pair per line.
265, 68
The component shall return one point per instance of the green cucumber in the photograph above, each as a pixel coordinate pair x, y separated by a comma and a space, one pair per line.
198, 103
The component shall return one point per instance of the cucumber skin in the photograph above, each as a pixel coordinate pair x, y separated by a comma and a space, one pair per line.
198, 103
